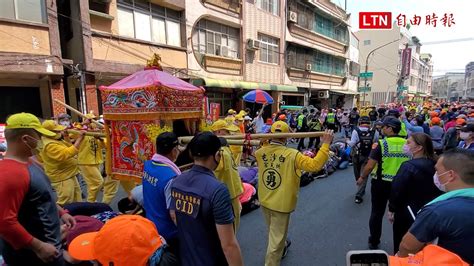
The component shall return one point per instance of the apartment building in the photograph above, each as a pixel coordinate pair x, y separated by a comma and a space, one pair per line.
110, 39
449, 87
31, 65
296, 50
317, 51
382, 50
469, 77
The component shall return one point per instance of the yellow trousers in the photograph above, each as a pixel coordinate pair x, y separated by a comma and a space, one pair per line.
67, 191
111, 187
277, 223
237, 208
94, 180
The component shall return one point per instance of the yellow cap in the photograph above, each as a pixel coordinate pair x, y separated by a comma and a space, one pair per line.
242, 113
280, 127
221, 124
239, 117
51, 125
90, 116
231, 111
26, 120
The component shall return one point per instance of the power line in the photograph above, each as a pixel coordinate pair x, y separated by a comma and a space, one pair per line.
448, 41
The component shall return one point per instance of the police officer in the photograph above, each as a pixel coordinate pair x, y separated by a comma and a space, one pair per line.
279, 168
203, 209
361, 144
302, 126
331, 120
403, 130
385, 158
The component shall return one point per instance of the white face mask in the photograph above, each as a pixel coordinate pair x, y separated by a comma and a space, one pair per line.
464, 135
438, 183
65, 123
406, 150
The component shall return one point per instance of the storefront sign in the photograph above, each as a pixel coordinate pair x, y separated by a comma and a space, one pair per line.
215, 110
406, 62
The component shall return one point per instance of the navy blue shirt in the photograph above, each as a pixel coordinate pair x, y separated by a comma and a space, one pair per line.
413, 186
452, 221
157, 178
200, 202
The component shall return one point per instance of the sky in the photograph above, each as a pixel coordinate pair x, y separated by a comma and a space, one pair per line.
449, 57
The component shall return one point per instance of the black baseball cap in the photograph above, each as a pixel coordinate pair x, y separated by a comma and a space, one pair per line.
394, 112
391, 121
364, 120
165, 142
205, 144
468, 128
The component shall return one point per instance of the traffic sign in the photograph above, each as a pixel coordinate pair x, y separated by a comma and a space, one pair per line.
366, 74
364, 89
403, 88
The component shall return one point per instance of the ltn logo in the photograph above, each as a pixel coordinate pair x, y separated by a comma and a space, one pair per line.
375, 20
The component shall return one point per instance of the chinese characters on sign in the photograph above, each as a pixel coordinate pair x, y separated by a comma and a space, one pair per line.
447, 20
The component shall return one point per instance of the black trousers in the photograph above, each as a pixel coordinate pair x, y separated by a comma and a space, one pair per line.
311, 142
301, 142
401, 225
380, 195
359, 162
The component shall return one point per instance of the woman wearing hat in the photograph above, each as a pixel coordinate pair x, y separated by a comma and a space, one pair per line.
467, 137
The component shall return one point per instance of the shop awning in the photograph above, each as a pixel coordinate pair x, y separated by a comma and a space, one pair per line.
344, 92
220, 83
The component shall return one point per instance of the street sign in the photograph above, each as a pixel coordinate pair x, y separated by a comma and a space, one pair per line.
366, 74
364, 89
403, 88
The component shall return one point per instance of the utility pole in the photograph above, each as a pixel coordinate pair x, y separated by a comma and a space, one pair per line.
367, 63
401, 78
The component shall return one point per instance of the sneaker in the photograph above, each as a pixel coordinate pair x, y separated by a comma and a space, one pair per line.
373, 246
358, 200
287, 247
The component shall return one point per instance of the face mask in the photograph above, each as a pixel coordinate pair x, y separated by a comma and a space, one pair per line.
464, 135
65, 123
38, 148
406, 150
437, 183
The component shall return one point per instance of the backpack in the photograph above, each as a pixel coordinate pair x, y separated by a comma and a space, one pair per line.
353, 115
366, 139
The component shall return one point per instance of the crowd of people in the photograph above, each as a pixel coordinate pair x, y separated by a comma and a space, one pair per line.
420, 159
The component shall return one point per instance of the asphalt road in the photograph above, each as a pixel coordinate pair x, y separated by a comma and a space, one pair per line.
326, 224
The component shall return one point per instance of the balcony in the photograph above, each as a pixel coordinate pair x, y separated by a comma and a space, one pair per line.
231, 5
219, 64
317, 38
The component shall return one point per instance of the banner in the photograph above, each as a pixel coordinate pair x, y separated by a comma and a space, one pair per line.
215, 110
406, 62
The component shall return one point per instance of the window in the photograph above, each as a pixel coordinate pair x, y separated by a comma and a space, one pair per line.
367, 42
141, 20
269, 51
320, 62
315, 21
99, 6
27, 10
213, 38
269, 6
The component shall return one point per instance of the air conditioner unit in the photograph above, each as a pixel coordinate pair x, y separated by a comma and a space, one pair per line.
225, 52
293, 17
253, 44
322, 94
308, 67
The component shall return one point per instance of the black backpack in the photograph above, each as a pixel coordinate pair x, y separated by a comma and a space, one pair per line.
366, 139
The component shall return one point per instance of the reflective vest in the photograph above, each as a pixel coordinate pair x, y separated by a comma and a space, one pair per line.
300, 121
403, 132
278, 178
227, 173
392, 156
331, 118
